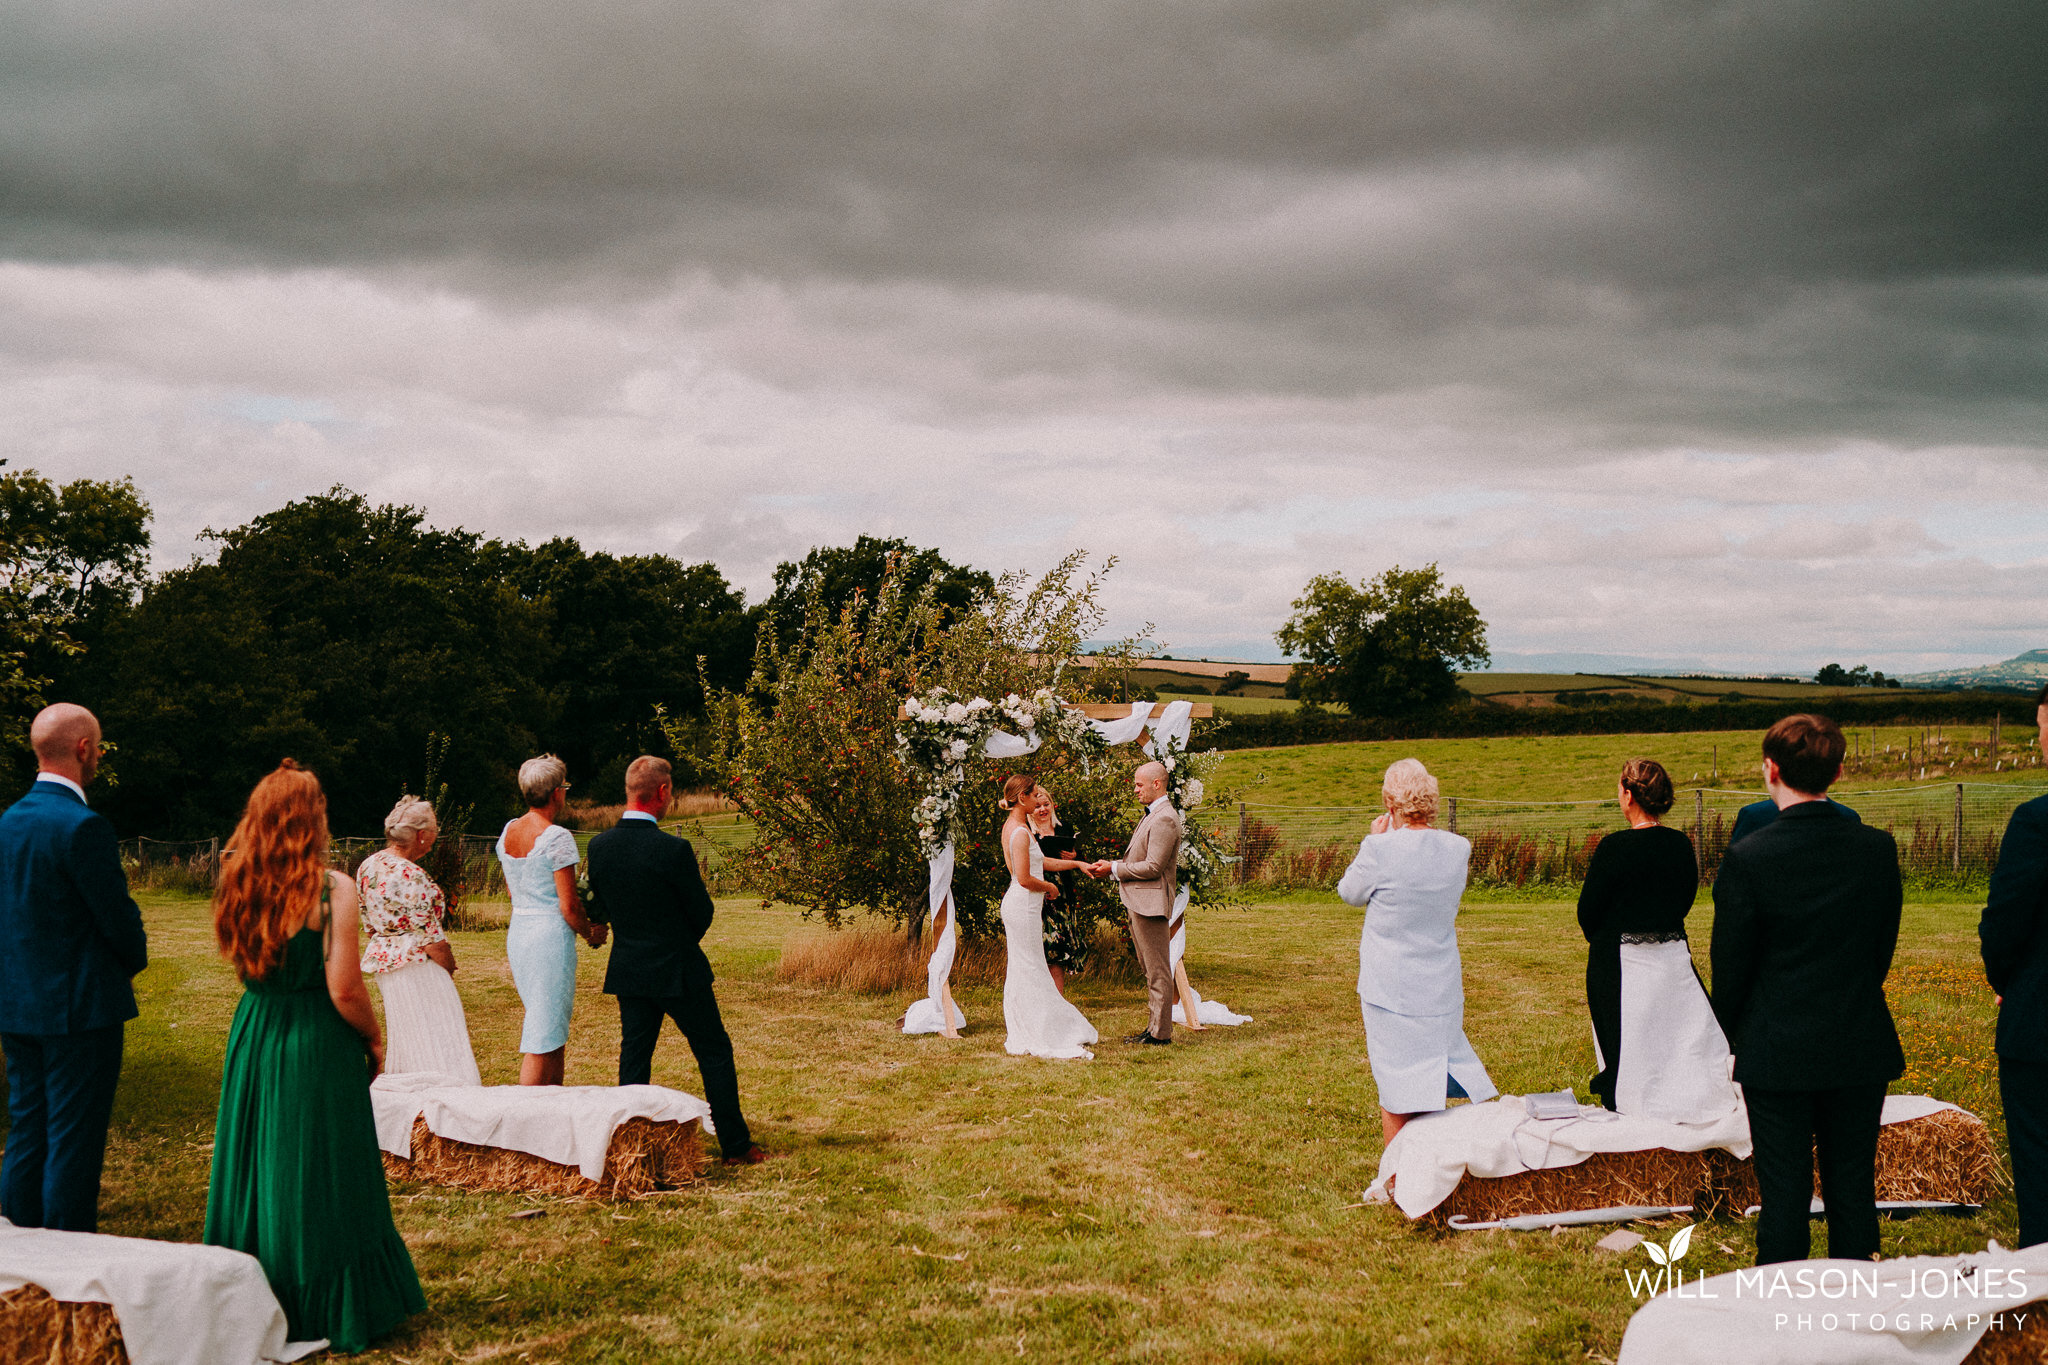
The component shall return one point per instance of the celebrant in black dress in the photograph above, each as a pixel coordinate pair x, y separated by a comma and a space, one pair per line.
1638, 889
1064, 949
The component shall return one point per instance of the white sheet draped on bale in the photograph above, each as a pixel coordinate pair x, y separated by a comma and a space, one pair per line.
177, 1303
1737, 1316
1433, 1152
570, 1125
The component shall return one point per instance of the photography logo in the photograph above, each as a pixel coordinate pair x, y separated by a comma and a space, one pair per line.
1667, 1275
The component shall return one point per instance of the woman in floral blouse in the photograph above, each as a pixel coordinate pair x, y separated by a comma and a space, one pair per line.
409, 955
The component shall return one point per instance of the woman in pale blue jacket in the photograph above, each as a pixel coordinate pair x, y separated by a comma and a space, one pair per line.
1410, 983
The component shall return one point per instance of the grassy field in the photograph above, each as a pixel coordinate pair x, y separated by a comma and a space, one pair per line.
942, 1200
1541, 689
1549, 767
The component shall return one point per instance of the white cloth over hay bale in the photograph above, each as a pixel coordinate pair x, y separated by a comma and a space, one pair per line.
1433, 1152
109, 1299
608, 1141
1926, 1310
1603, 1160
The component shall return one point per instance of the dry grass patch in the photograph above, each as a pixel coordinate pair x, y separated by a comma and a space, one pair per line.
878, 962
585, 815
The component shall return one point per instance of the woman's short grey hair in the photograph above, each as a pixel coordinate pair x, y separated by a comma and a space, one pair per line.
410, 818
1410, 790
538, 778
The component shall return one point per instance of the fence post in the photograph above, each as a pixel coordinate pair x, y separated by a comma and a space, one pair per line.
1957, 860
1699, 830
1996, 717
1454, 815
1243, 868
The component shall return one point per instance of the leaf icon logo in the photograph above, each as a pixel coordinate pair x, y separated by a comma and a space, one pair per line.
1681, 1242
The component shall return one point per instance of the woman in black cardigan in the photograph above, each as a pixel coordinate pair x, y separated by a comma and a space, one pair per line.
1638, 889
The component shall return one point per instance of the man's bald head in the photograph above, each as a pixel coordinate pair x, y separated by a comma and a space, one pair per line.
1149, 782
66, 738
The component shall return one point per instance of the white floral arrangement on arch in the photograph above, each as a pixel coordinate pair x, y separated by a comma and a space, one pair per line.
1202, 858
939, 732
934, 739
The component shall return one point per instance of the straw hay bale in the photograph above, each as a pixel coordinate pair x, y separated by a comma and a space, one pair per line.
1603, 1180
36, 1329
1946, 1156
644, 1156
2008, 1344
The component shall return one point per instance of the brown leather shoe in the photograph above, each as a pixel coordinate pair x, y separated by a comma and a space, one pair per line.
753, 1156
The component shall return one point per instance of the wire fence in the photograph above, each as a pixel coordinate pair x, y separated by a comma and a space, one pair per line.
474, 875
1948, 834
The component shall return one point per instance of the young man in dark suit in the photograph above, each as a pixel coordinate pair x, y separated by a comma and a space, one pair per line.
2014, 937
70, 940
646, 886
1806, 915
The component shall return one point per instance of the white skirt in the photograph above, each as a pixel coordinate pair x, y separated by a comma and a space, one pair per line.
1674, 1065
1415, 1057
424, 1028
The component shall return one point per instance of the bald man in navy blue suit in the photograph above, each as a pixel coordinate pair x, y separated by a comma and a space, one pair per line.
70, 940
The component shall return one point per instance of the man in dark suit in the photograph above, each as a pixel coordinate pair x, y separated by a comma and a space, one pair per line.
645, 884
1806, 915
70, 940
1760, 814
2014, 936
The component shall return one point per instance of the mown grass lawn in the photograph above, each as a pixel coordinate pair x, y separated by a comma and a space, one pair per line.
944, 1201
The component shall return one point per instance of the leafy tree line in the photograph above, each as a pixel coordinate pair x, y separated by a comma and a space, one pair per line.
1834, 675
349, 635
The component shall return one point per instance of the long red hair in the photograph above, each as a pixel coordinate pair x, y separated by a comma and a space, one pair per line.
270, 885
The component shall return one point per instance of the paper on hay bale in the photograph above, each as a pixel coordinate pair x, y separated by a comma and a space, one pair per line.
1903, 1313
1488, 1161
167, 1303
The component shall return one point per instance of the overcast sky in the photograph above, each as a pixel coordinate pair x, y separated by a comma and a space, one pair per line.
1713, 331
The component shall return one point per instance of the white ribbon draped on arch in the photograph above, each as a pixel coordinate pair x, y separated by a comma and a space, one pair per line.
1170, 732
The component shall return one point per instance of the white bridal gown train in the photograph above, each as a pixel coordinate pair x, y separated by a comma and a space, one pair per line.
1040, 1021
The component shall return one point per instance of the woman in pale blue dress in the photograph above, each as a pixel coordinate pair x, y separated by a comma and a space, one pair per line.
539, 858
1411, 985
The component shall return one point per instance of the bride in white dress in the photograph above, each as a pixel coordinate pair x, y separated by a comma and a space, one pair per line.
1040, 1021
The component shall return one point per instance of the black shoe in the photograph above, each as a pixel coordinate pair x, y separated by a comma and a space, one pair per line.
1148, 1040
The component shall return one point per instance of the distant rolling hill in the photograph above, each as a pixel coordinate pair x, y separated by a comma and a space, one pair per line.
2024, 673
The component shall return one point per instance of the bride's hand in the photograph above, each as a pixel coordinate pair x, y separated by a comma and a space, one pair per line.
1052, 891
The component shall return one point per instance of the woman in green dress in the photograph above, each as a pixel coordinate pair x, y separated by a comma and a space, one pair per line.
298, 1181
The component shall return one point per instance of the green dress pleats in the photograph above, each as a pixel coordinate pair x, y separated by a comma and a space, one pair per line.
298, 1181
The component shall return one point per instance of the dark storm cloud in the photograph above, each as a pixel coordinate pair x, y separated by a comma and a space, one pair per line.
1630, 221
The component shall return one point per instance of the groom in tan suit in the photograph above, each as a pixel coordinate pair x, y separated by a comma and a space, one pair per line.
1145, 879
